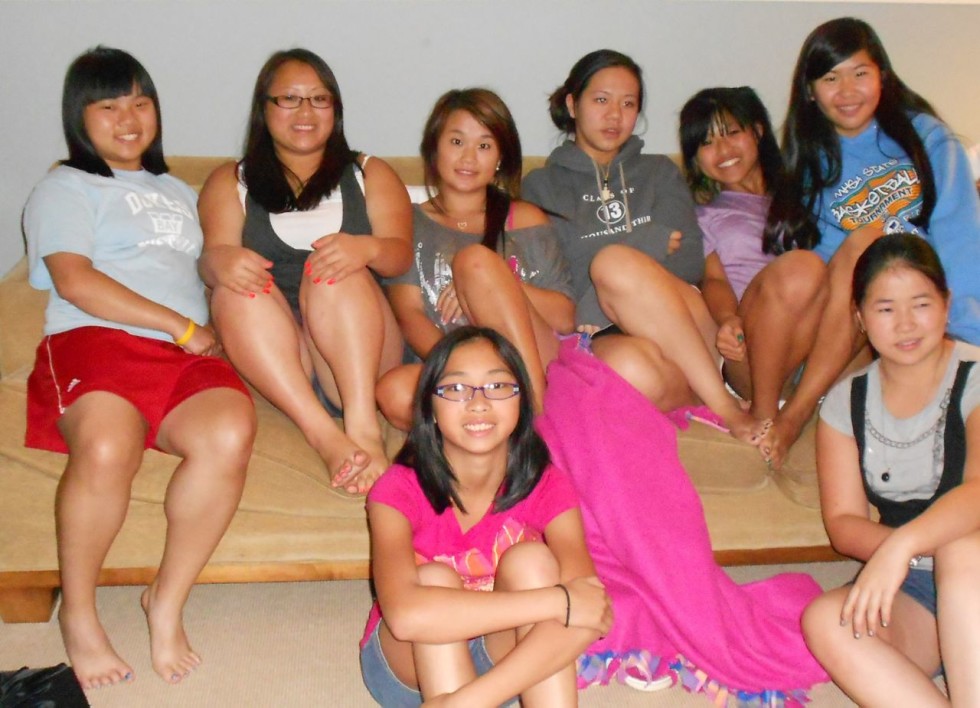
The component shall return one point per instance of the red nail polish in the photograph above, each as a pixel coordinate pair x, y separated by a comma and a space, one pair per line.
316, 281
251, 294
331, 281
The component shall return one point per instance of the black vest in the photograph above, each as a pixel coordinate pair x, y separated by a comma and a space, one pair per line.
893, 513
288, 262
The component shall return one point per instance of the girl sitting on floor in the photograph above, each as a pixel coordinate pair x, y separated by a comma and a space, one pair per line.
475, 534
903, 435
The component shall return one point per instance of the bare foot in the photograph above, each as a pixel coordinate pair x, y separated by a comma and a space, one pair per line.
780, 438
94, 661
361, 481
743, 425
342, 460
170, 654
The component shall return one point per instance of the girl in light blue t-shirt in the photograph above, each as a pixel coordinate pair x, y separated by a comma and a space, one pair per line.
128, 361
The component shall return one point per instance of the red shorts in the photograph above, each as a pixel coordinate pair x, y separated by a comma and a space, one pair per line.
153, 375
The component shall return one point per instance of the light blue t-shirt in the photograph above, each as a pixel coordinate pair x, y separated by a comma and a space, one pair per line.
138, 228
879, 184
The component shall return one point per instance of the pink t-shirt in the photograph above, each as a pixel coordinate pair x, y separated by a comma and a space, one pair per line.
474, 554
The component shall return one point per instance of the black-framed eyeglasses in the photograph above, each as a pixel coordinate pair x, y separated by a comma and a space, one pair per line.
460, 392
322, 101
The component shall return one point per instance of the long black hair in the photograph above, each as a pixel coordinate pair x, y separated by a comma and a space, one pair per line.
264, 173
98, 74
491, 112
811, 146
578, 80
527, 457
704, 115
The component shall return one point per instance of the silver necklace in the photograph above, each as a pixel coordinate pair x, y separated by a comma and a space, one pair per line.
936, 431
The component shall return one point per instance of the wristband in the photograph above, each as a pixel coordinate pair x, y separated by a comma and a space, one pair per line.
188, 333
568, 603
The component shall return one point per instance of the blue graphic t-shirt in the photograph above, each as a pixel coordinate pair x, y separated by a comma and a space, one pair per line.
138, 228
879, 185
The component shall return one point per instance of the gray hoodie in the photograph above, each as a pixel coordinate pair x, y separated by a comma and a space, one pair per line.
648, 200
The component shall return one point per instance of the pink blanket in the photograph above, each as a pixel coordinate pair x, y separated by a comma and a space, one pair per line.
645, 528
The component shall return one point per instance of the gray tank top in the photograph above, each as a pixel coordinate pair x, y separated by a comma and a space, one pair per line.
288, 262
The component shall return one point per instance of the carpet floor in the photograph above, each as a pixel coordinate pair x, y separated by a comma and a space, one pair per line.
295, 644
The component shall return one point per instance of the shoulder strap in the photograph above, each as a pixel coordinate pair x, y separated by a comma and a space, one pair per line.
859, 399
954, 437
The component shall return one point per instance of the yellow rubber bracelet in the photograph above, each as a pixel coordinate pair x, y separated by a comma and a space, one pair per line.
188, 333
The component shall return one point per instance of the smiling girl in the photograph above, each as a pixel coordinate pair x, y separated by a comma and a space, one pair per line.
628, 229
485, 588
482, 256
295, 236
128, 361
903, 436
732, 162
865, 155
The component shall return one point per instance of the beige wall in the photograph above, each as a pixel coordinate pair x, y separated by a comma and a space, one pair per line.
394, 57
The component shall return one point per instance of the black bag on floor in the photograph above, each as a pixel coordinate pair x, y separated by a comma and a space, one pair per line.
50, 687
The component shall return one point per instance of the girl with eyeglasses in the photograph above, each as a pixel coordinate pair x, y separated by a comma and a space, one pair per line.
485, 589
128, 361
297, 234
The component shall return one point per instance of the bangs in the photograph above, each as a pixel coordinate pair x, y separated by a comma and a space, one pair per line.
110, 75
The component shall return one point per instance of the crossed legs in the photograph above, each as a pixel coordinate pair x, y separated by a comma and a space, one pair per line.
537, 661
349, 337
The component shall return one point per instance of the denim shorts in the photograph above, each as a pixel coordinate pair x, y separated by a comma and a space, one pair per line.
389, 691
920, 585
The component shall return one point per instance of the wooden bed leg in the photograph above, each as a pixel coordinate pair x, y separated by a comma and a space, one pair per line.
26, 604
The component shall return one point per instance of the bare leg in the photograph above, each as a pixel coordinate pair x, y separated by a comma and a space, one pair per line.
263, 342
105, 435
836, 342
645, 300
353, 338
892, 668
645, 368
957, 579
780, 312
395, 392
213, 431
541, 666
492, 297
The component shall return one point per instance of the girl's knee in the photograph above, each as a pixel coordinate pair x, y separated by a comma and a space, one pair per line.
527, 565
957, 564
234, 428
314, 296
106, 451
797, 280
439, 575
612, 263
821, 623
475, 263
394, 393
